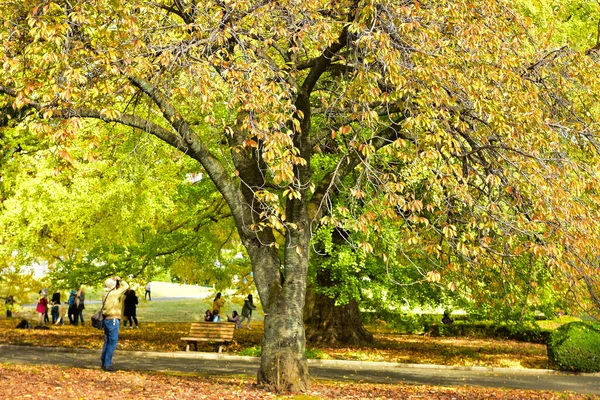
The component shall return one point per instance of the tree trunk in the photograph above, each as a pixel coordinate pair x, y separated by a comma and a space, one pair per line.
333, 324
283, 366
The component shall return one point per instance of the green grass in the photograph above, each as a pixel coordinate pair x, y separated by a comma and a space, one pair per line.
180, 310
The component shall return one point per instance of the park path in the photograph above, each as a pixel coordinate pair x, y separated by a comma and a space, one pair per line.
369, 372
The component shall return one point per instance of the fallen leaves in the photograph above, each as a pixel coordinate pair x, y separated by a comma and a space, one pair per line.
389, 345
53, 382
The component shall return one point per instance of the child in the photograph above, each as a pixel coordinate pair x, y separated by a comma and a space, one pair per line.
235, 317
208, 316
216, 317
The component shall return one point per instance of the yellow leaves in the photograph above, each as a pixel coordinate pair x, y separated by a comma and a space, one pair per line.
462, 248
366, 247
20, 101
493, 179
415, 205
47, 114
359, 194
292, 194
413, 240
452, 286
449, 231
110, 114
433, 276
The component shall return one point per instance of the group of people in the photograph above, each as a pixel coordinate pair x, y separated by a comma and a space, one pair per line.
119, 302
73, 307
214, 314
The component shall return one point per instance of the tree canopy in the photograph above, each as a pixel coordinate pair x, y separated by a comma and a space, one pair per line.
444, 136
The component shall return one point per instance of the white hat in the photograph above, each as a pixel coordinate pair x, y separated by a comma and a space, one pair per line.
110, 284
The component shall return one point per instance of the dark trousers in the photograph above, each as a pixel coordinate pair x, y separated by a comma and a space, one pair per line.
131, 319
147, 294
54, 314
72, 315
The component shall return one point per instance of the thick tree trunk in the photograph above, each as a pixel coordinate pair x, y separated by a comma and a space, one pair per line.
283, 366
331, 324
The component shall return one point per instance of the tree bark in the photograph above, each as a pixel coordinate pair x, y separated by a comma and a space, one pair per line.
284, 367
331, 324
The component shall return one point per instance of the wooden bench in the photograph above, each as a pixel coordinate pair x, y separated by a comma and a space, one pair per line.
219, 332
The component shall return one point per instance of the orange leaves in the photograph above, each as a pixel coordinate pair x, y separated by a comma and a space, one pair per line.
64, 154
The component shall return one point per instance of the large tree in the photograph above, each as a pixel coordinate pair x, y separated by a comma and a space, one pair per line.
453, 95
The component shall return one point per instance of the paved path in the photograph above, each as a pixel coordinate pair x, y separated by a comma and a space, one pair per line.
373, 372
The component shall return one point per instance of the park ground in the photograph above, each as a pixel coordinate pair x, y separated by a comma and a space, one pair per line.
164, 322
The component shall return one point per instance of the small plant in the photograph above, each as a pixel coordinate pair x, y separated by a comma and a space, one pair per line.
316, 354
254, 351
575, 347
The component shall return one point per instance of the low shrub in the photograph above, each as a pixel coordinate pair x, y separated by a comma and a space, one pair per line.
431, 324
575, 347
488, 329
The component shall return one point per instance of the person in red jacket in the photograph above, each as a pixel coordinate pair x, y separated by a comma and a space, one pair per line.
42, 307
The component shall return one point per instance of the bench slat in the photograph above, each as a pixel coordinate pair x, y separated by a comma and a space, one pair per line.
224, 329
210, 332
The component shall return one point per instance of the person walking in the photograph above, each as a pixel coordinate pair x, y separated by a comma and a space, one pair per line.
72, 307
247, 311
131, 302
148, 293
114, 288
218, 302
80, 305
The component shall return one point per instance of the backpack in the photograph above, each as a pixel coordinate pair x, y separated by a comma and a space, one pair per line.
23, 324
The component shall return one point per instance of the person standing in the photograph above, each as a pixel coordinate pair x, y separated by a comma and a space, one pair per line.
131, 302
9, 302
45, 294
114, 288
80, 304
148, 291
42, 307
55, 302
247, 311
72, 307
218, 302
